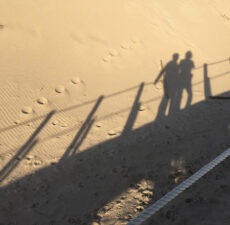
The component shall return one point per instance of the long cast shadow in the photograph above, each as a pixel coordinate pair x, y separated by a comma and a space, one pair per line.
207, 84
134, 111
82, 133
24, 150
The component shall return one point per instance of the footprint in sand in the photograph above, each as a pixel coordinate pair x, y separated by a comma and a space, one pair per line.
135, 40
17, 122
112, 132
142, 107
115, 131
113, 52
60, 89
42, 101
107, 58
55, 122
29, 124
125, 45
99, 124
76, 80
27, 110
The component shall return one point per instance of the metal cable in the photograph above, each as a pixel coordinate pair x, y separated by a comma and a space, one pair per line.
179, 189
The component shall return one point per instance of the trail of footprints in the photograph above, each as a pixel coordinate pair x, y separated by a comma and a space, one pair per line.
59, 89
124, 46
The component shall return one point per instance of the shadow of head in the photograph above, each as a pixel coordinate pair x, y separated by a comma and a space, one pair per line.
175, 57
188, 55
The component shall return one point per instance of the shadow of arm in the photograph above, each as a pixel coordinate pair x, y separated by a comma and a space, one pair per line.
159, 76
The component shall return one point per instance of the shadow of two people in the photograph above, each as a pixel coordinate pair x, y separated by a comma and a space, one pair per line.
177, 77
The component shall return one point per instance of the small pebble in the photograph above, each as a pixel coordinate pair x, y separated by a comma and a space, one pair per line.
37, 163
75, 80
27, 110
29, 157
42, 101
129, 216
119, 206
140, 208
176, 180
147, 193
60, 89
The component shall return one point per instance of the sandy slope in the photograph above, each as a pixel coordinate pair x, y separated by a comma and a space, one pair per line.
87, 61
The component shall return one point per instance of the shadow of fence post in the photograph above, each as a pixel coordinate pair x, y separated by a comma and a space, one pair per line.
207, 85
134, 111
82, 133
24, 150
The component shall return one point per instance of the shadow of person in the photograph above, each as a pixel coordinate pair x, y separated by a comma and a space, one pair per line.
170, 99
186, 66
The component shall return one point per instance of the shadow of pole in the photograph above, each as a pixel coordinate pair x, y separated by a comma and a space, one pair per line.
134, 111
82, 133
24, 150
207, 85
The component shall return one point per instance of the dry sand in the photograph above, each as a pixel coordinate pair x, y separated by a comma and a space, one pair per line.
85, 134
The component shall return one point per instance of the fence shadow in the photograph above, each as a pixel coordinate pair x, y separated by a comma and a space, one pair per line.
81, 184
24, 150
82, 133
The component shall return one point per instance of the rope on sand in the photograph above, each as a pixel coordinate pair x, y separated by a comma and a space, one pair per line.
179, 189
